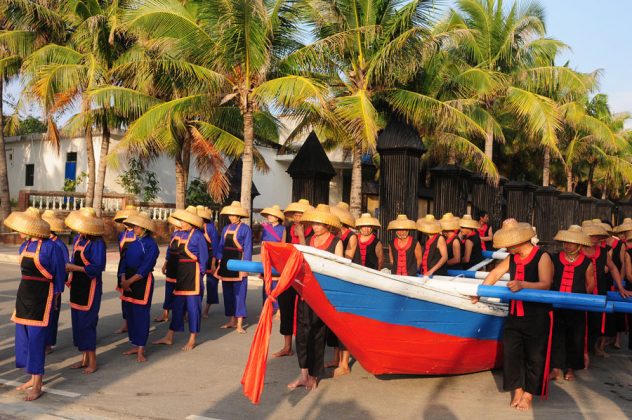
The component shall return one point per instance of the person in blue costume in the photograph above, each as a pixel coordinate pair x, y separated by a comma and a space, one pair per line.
42, 281
57, 229
212, 242
170, 269
189, 287
273, 231
137, 282
85, 282
125, 237
235, 244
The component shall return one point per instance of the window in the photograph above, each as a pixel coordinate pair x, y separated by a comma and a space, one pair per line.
71, 157
30, 175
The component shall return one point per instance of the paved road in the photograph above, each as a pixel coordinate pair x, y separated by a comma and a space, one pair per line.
205, 382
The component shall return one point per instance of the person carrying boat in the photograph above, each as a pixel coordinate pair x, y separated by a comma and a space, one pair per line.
170, 268
600, 323
85, 269
622, 231
473, 249
189, 287
57, 229
137, 281
235, 244
212, 243
347, 235
43, 274
485, 230
404, 251
125, 237
573, 274
451, 232
369, 245
434, 251
273, 231
527, 331
310, 329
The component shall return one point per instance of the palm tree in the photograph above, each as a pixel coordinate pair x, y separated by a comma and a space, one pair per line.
232, 49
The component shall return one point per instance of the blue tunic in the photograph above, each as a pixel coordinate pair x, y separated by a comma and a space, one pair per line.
141, 255
244, 237
235, 292
84, 323
31, 341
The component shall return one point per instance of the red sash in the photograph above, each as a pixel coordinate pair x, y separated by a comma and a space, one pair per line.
516, 306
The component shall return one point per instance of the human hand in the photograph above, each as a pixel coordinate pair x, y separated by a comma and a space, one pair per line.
515, 286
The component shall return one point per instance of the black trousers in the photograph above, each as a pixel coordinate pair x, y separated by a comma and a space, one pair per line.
333, 340
569, 335
287, 301
525, 342
310, 340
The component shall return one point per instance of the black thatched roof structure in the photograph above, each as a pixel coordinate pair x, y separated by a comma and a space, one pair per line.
399, 135
311, 160
233, 173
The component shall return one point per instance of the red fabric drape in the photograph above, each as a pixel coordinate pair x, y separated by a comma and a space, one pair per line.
254, 374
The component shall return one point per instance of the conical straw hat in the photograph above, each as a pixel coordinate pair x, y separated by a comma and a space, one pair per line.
606, 226
342, 211
174, 222
85, 221
429, 225
28, 222
301, 206
367, 220
274, 211
449, 222
141, 220
574, 235
626, 226
468, 223
587, 223
593, 229
57, 225
204, 212
125, 213
322, 214
234, 209
189, 216
513, 233
402, 222
628, 235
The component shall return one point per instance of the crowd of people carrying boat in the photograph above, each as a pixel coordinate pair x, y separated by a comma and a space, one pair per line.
537, 340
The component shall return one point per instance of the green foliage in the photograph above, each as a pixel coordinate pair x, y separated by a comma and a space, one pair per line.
31, 125
197, 194
137, 180
70, 185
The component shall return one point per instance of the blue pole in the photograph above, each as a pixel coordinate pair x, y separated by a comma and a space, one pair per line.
616, 297
544, 296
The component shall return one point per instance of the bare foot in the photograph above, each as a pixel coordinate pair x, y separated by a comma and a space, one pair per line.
205, 315
90, 369
121, 330
283, 352
190, 345
517, 397
140, 357
49, 349
586, 360
26, 385
164, 341
130, 352
33, 394
228, 325
570, 376
555, 374
277, 316
331, 364
241, 330
78, 365
160, 319
525, 402
312, 383
341, 371
600, 353
300, 382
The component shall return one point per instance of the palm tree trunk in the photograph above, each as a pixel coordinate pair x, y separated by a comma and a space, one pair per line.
5, 197
591, 173
100, 184
91, 167
247, 157
186, 160
180, 183
546, 170
355, 199
604, 193
569, 180
489, 143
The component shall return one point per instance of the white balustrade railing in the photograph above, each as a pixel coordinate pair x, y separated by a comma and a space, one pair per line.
158, 213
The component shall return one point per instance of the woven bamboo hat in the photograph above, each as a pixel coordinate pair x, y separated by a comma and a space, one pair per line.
125, 213
235, 209
189, 216
85, 221
28, 222
592, 229
322, 214
141, 220
513, 233
174, 222
274, 211
573, 235
628, 235
402, 222
626, 226
367, 220
301, 206
204, 212
342, 211
429, 225
449, 222
468, 223
57, 225
606, 226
